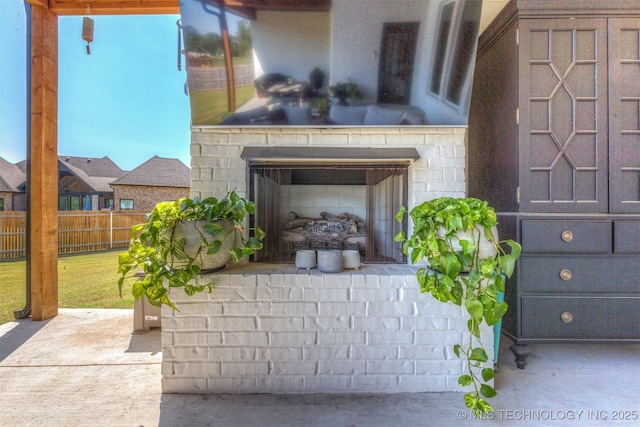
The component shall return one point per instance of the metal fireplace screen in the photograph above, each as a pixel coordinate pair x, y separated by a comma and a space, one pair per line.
276, 187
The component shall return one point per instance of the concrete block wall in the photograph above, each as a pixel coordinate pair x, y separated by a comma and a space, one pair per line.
273, 329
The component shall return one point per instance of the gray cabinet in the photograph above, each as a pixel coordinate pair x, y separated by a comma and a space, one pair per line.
554, 146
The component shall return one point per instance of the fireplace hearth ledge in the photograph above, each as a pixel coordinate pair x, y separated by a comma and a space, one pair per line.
274, 328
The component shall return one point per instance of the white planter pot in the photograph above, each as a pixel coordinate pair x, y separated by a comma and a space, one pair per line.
330, 261
305, 259
486, 249
193, 231
350, 258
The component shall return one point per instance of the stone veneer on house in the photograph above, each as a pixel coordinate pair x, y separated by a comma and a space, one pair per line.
270, 328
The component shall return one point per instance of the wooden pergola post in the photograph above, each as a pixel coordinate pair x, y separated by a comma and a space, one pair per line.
43, 165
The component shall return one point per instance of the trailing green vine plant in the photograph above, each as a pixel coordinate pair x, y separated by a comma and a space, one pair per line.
448, 234
160, 260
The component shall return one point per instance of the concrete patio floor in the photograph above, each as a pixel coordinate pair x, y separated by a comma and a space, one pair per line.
86, 368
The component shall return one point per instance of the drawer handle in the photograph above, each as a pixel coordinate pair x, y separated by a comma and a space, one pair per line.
567, 236
566, 317
565, 274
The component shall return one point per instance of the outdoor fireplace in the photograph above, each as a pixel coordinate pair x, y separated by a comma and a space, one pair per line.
329, 198
270, 327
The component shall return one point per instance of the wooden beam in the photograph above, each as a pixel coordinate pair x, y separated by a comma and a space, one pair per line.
228, 60
114, 7
306, 5
43, 3
152, 7
43, 165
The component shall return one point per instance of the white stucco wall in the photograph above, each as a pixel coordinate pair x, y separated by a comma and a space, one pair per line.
292, 43
357, 57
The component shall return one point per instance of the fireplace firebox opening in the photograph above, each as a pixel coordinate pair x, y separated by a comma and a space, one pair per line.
329, 198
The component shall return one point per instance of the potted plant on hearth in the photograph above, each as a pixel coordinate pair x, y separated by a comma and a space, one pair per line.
182, 239
466, 265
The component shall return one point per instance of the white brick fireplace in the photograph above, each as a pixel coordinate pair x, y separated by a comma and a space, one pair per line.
270, 328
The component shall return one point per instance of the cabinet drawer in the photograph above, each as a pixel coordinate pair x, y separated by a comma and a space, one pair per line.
626, 236
581, 318
580, 273
566, 236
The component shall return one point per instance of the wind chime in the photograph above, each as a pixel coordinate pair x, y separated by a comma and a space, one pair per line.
87, 28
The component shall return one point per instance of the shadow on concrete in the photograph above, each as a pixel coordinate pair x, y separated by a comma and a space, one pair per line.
321, 410
19, 332
146, 342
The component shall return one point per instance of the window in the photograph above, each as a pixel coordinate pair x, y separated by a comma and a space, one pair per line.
126, 204
108, 203
62, 203
1, 205
86, 203
467, 33
454, 48
444, 29
74, 203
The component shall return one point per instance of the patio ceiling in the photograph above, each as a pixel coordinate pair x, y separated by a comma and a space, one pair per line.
246, 8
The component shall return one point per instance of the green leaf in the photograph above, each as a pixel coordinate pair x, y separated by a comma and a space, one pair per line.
464, 380
417, 254
500, 282
488, 374
487, 391
493, 315
475, 309
215, 247
483, 406
212, 228
478, 354
399, 237
260, 234
456, 350
515, 248
470, 400
450, 264
253, 243
507, 264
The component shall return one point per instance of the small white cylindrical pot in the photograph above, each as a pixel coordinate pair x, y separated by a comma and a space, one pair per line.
351, 259
306, 259
330, 261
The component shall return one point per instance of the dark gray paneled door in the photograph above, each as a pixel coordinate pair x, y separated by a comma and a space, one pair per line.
397, 55
624, 121
563, 115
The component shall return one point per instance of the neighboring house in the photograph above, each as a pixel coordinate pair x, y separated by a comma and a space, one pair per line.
12, 183
155, 180
86, 184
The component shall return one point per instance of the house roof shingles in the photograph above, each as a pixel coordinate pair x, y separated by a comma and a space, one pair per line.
95, 173
100, 173
11, 176
103, 167
158, 172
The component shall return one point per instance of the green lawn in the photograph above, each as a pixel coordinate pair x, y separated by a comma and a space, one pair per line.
208, 107
84, 281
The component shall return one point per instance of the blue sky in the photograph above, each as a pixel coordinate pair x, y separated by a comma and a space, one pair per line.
126, 100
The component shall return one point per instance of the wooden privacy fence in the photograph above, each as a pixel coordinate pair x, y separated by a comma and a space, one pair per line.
78, 231
216, 78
